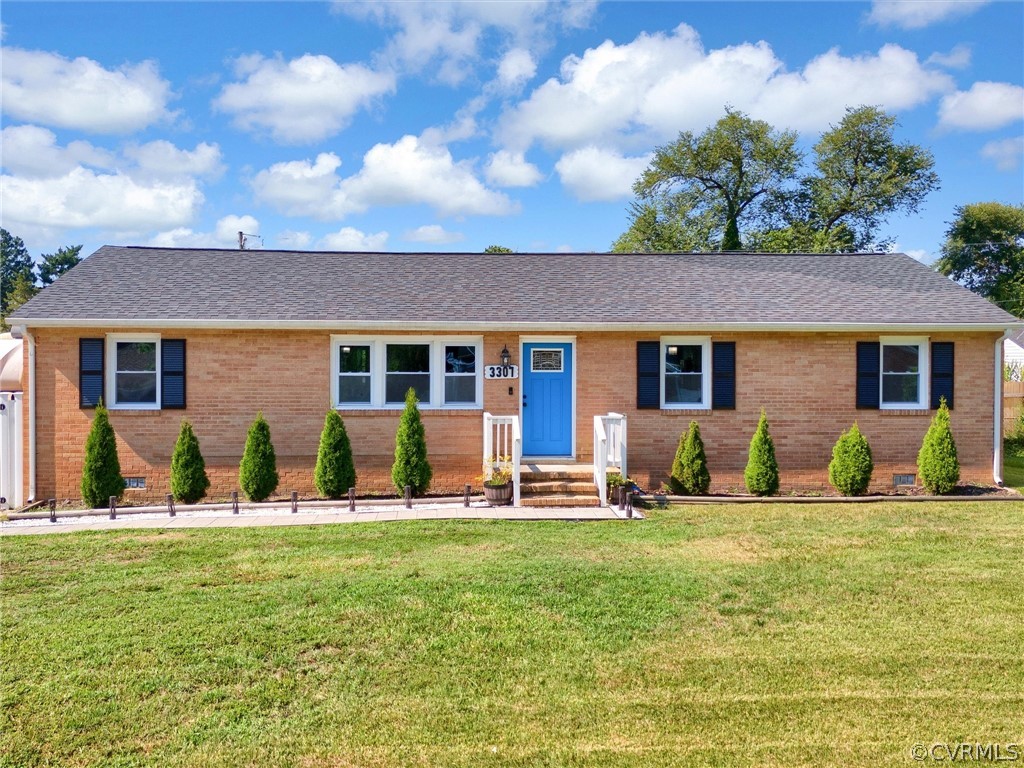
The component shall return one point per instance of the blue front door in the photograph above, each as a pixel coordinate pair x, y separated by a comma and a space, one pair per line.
547, 399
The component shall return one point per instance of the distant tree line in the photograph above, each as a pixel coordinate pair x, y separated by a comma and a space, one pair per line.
21, 278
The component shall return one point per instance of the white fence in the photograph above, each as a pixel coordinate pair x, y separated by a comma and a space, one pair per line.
609, 450
10, 450
503, 442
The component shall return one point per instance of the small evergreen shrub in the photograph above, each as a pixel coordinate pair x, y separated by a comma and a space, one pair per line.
1014, 440
851, 466
690, 476
189, 481
257, 474
335, 471
762, 472
101, 472
937, 462
411, 466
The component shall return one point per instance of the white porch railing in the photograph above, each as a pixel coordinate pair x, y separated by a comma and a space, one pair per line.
503, 437
609, 450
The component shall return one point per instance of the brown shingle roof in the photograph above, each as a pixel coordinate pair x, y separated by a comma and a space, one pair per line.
276, 288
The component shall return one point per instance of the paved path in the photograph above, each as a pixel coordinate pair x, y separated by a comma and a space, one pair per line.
320, 517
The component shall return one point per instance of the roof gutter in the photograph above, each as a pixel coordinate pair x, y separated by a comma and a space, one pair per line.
997, 413
21, 332
490, 325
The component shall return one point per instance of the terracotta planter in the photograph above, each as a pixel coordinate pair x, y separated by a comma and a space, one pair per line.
498, 495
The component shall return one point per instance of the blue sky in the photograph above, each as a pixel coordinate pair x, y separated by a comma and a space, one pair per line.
452, 126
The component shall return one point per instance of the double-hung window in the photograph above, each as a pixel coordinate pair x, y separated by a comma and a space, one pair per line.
686, 372
133, 379
904, 372
376, 372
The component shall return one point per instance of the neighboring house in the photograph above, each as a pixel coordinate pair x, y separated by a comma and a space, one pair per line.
818, 341
1013, 355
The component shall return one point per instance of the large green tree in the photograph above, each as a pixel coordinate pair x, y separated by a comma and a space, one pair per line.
720, 179
53, 265
984, 250
738, 185
862, 175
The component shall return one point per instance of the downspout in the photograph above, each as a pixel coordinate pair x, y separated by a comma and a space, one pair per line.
21, 332
997, 414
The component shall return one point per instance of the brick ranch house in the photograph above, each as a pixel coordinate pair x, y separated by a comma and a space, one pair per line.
819, 341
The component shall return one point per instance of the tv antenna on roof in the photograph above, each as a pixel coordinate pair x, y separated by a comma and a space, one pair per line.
243, 240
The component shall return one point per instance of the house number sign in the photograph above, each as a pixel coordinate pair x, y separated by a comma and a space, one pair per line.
501, 371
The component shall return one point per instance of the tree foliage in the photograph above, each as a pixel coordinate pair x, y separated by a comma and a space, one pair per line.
690, 476
16, 273
53, 265
984, 250
411, 465
497, 249
257, 474
762, 473
723, 176
335, 471
739, 184
851, 466
189, 481
937, 461
101, 470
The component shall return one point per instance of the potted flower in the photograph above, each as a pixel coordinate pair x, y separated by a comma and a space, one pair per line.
498, 481
615, 481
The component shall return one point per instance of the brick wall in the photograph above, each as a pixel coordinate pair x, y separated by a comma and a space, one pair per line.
805, 381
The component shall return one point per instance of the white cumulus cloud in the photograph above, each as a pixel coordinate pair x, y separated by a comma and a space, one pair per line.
986, 105
958, 57
407, 172
294, 240
516, 68
510, 169
31, 151
300, 101
432, 233
593, 174
645, 91
83, 198
1007, 154
162, 159
916, 14
225, 234
351, 239
80, 94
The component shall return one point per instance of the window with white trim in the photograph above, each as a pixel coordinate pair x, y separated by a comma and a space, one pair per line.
904, 372
133, 371
686, 372
376, 372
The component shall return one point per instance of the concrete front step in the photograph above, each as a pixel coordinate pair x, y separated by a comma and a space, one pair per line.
560, 500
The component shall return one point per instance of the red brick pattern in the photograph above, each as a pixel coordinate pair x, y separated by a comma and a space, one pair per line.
805, 382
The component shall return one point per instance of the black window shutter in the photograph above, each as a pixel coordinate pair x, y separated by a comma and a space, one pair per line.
869, 364
942, 373
172, 373
648, 374
723, 375
90, 372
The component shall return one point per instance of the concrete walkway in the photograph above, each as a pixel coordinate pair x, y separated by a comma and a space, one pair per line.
282, 516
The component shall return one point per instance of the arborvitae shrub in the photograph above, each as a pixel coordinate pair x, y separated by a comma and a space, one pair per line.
937, 462
851, 466
411, 466
257, 474
101, 473
762, 472
335, 472
690, 476
189, 481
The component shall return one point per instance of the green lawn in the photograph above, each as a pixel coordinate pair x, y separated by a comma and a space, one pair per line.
1013, 472
728, 635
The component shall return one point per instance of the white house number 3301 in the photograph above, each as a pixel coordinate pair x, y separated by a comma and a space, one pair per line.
501, 371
